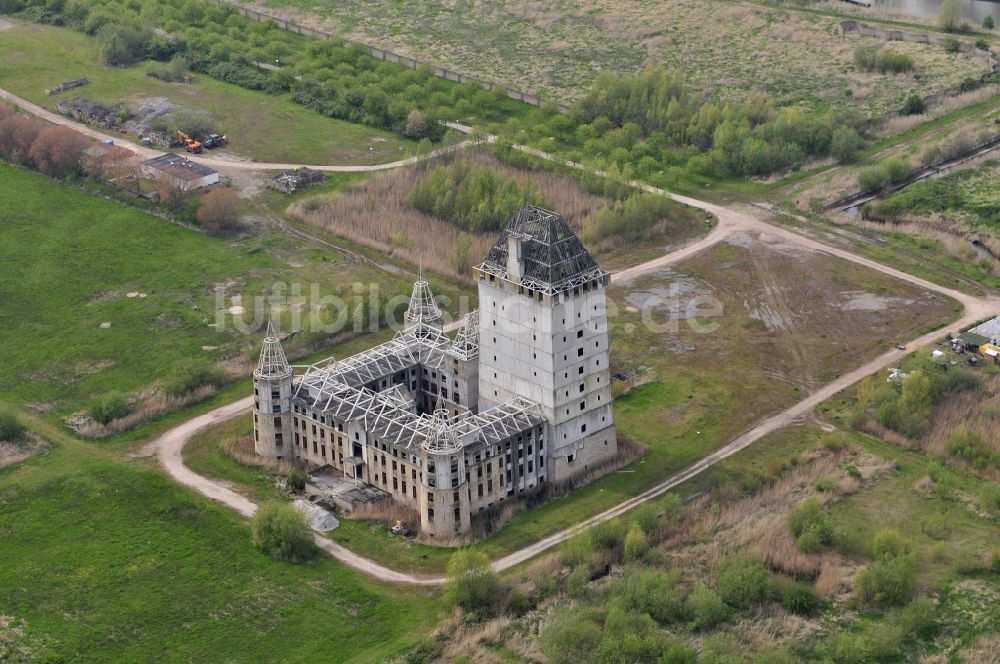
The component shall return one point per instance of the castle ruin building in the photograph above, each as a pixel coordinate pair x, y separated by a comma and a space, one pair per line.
449, 426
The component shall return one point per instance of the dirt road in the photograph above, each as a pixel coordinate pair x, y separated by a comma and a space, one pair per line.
169, 446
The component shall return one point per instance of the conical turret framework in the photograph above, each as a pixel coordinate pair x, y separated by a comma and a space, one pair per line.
443, 438
423, 308
273, 363
466, 344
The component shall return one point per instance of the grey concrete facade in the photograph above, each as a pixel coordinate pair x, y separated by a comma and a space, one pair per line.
450, 427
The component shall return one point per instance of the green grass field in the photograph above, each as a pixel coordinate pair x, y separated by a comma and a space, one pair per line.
70, 261
262, 127
558, 47
108, 561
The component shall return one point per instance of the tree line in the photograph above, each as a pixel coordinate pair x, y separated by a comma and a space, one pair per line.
336, 79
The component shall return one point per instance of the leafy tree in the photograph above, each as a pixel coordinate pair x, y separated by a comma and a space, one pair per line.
887, 582
219, 210
917, 393
472, 584
949, 15
844, 144
280, 530
808, 519
58, 151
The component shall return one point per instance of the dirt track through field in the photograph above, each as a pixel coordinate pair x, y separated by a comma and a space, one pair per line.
168, 447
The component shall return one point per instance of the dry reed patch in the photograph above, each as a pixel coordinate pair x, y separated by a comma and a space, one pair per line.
983, 651
979, 411
146, 406
14, 453
241, 450
756, 523
376, 214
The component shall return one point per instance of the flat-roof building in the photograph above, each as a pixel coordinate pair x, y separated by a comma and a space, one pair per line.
181, 171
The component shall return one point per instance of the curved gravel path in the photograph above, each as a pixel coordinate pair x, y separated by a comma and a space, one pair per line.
169, 446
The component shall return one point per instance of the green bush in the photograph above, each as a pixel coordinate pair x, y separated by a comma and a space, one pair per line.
297, 480
705, 608
826, 484
845, 144
913, 105
576, 582
798, 597
651, 591
577, 550
11, 429
518, 602
888, 544
843, 648
887, 582
109, 407
609, 535
872, 177
988, 23
473, 585
647, 518
744, 583
919, 619
635, 546
571, 637
809, 515
811, 539
280, 530
965, 444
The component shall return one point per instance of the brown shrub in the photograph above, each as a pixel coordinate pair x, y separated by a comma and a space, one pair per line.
219, 211
17, 133
57, 151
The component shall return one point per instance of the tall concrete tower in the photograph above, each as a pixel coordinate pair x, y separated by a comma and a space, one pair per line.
543, 335
272, 399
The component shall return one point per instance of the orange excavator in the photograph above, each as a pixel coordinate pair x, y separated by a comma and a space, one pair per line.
190, 144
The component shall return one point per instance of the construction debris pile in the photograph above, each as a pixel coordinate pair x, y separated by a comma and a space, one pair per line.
146, 114
91, 112
292, 181
168, 76
68, 85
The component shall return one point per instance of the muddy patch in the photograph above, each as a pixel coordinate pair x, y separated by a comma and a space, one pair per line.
680, 297
6, 25
865, 301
